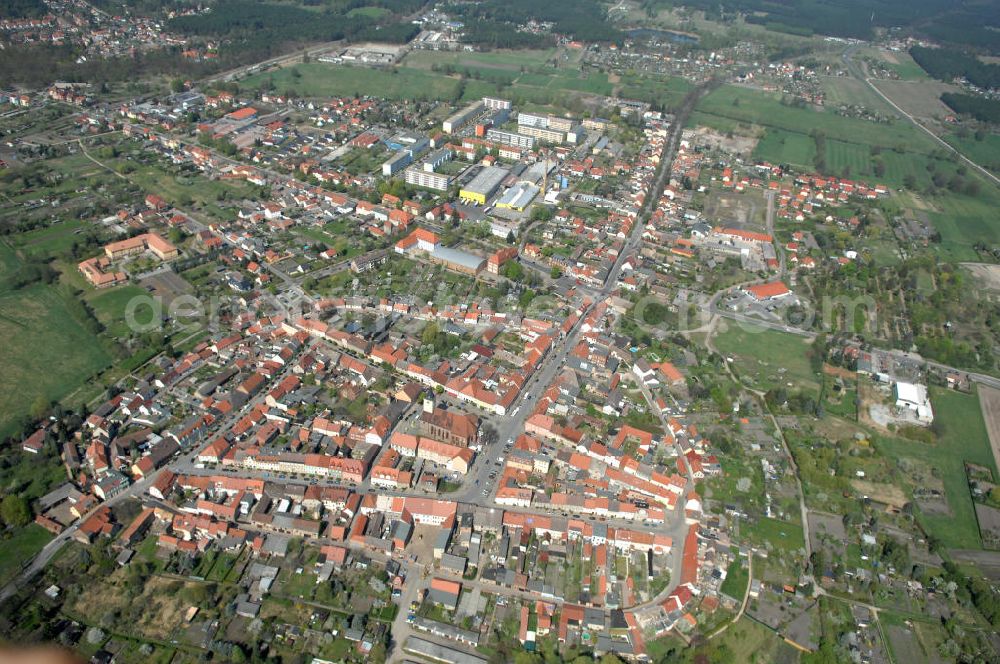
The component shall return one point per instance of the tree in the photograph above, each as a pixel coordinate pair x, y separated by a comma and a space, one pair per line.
177, 85
39, 407
430, 333
14, 511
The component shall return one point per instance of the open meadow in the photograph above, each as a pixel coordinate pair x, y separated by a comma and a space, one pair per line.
769, 359
525, 77
963, 438
47, 353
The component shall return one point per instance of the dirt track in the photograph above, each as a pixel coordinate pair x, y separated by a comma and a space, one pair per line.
989, 401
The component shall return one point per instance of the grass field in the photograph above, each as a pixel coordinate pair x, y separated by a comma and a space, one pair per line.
770, 359
849, 90
734, 104
899, 62
24, 544
963, 438
109, 306
963, 220
54, 239
527, 77
45, 351
737, 579
370, 12
986, 152
317, 79
781, 535
784, 147
511, 60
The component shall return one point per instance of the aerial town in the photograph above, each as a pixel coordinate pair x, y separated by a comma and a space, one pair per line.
434, 332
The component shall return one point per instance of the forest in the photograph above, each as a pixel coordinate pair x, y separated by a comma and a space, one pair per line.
22, 8
973, 23
491, 21
946, 64
981, 108
257, 24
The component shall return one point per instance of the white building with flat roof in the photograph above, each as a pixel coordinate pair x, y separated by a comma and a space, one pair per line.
913, 397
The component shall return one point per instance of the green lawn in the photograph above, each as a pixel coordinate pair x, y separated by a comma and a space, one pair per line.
963, 438
110, 305
906, 67
769, 358
737, 580
22, 545
781, 535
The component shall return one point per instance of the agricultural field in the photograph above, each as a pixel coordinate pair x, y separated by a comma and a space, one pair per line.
921, 99
963, 438
769, 359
